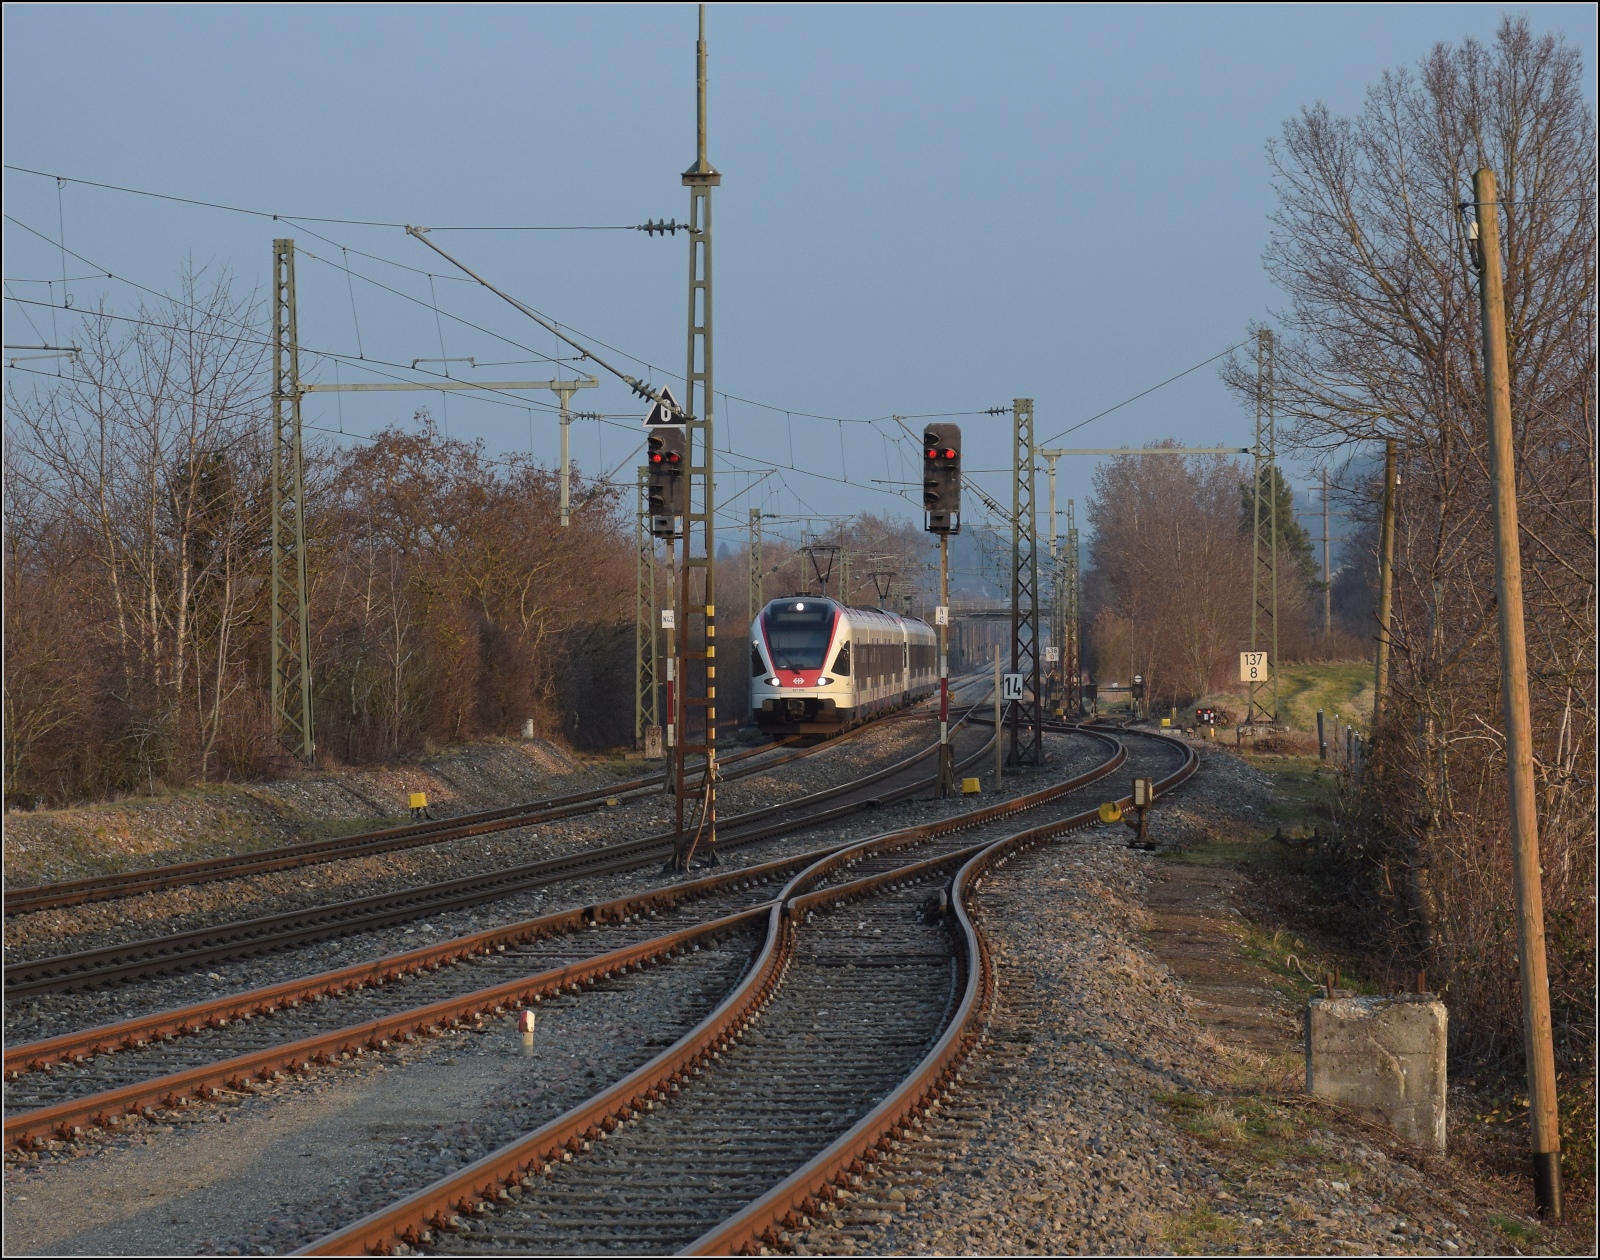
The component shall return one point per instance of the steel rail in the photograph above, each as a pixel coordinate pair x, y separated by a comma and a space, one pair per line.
36, 897
438, 1206
104, 1109
413, 1219
363, 844
158, 955
134, 1033
107, 1109
878, 1132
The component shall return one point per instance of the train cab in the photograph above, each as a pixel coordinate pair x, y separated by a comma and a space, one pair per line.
818, 666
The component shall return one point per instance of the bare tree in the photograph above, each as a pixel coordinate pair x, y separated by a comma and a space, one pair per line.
1382, 341
1169, 570
150, 447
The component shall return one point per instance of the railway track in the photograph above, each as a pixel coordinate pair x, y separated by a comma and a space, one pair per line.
772, 1089
104, 1073
37, 897
159, 955
801, 1110
64, 1081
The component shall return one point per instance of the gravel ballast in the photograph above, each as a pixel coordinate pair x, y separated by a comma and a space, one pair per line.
273, 1172
97, 925
48, 1015
1100, 1116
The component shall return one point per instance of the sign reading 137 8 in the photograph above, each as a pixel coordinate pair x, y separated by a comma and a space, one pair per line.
1253, 667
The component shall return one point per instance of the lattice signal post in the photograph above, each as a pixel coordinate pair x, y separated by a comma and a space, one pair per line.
755, 599
291, 622
1263, 706
1026, 748
696, 634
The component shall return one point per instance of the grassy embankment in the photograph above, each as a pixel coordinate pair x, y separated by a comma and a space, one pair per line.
1341, 689
1296, 944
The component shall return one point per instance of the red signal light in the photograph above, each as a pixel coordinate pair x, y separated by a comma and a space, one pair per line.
949, 454
655, 457
933, 454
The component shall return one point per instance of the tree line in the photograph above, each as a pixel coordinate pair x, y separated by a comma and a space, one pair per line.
446, 602
1167, 593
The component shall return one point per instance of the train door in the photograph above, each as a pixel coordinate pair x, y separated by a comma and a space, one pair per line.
905, 664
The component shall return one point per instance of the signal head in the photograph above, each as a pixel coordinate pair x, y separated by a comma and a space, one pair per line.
668, 490
941, 478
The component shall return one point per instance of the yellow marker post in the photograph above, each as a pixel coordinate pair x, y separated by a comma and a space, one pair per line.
970, 787
1110, 812
419, 805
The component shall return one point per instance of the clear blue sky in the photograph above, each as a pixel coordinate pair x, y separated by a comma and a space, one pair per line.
923, 209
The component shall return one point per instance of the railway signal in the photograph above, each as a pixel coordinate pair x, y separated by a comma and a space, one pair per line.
668, 486
941, 500
941, 478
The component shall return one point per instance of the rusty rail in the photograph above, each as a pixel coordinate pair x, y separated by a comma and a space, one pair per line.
158, 955
106, 1109
413, 1219
133, 1033
879, 1131
130, 1034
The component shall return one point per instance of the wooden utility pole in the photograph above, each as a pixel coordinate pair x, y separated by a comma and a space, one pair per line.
1536, 1039
1380, 687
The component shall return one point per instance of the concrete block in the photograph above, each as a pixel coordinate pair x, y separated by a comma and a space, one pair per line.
1384, 1058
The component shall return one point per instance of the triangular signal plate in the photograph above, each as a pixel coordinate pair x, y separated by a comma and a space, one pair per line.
666, 411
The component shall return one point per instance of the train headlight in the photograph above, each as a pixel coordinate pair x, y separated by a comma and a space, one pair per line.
772, 682
823, 682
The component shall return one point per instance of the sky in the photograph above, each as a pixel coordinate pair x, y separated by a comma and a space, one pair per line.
923, 209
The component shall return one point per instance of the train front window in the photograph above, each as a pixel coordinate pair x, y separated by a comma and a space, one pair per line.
798, 634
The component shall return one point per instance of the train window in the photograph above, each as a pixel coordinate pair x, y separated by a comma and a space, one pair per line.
757, 667
841, 663
798, 635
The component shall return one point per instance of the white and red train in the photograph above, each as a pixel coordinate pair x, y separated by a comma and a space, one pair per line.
817, 666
